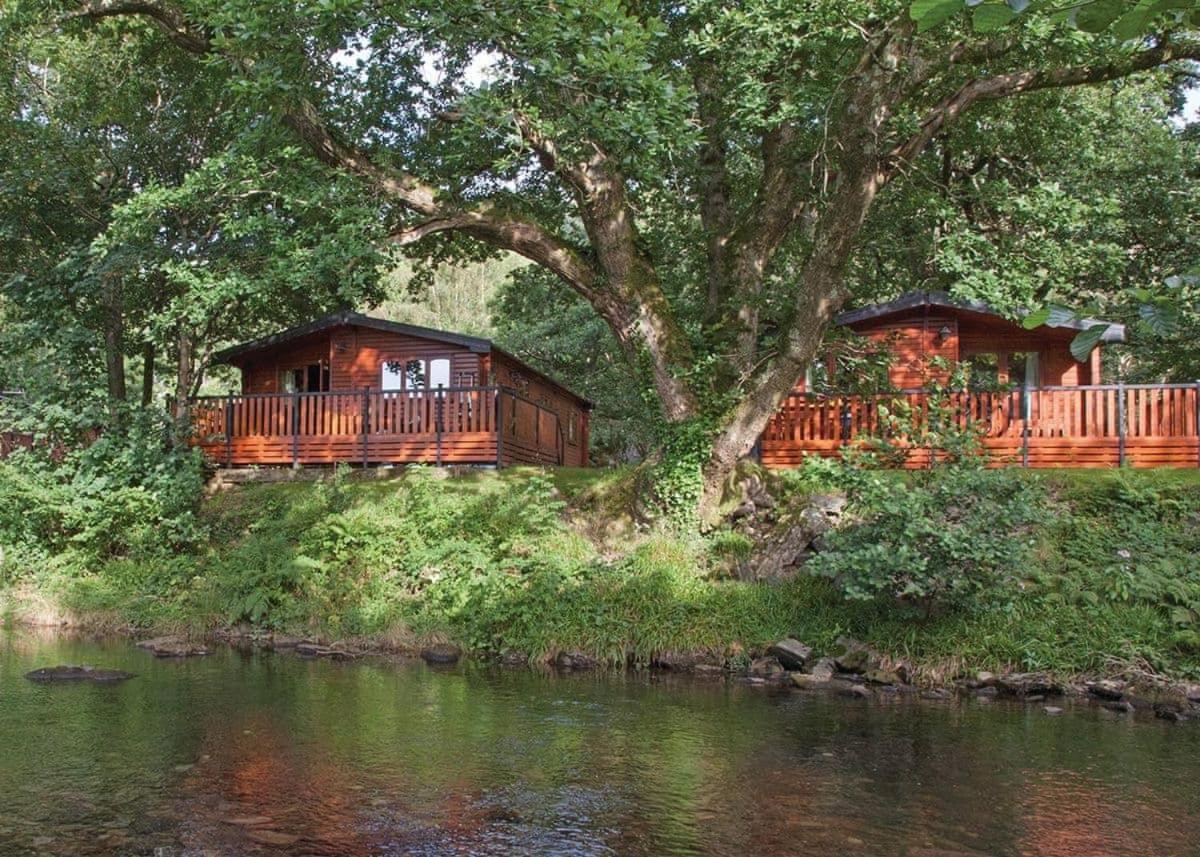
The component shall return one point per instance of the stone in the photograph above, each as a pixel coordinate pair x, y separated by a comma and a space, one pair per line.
675, 661
793, 654
513, 658
855, 691
1192, 691
824, 669
1052, 710
830, 505
806, 681
936, 693
1170, 711
442, 653
575, 660
1026, 684
247, 820
173, 647
767, 667
709, 669
881, 676
983, 678
78, 673
1107, 689
853, 657
986, 692
1122, 706
313, 650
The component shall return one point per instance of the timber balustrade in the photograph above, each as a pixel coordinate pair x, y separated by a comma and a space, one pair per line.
446, 425
1139, 425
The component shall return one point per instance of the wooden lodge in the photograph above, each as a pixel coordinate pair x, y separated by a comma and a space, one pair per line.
362, 390
1031, 402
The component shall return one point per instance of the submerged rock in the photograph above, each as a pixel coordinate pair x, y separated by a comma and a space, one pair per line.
316, 650
442, 653
78, 673
793, 654
172, 647
767, 667
1052, 710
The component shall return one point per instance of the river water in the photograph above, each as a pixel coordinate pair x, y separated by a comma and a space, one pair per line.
256, 753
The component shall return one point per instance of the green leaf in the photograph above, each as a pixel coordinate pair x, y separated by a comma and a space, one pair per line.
1036, 318
991, 17
929, 13
1098, 16
1086, 340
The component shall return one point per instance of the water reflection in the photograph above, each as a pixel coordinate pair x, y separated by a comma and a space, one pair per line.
247, 753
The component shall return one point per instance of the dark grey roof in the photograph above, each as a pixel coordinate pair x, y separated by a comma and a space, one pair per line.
942, 300
357, 319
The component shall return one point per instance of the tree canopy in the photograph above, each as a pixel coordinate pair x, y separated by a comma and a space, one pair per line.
698, 173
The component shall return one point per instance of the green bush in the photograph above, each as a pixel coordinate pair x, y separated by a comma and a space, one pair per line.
957, 538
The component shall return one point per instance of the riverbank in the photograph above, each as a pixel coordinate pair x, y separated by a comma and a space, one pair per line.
540, 568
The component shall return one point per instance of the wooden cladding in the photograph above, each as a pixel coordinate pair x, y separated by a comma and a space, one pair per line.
1139, 425
461, 425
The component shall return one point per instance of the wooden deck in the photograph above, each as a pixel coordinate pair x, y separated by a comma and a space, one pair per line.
493, 426
1136, 425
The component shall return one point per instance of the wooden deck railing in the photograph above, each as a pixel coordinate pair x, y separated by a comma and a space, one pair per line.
1141, 425
450, 425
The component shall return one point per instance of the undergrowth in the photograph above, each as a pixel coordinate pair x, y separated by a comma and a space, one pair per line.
538, 563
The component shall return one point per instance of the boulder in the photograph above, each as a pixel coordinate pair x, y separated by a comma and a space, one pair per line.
1192, 691
882, 676
675, 661
1107, 689
1027, 684
442, 653
78, 673
1169, 710
793, 654
767, 667
852, 656
824, 669
807, 681
173, 647
575, 660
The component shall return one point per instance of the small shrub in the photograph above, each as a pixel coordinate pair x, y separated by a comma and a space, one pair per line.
954, 538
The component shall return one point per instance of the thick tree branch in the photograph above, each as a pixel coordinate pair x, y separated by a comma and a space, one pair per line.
1030, 80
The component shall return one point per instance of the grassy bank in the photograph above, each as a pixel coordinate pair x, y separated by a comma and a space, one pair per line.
539, 563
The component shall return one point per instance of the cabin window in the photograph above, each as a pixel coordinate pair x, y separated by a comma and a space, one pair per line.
983, 371
311, 378
414, 374
1023, 369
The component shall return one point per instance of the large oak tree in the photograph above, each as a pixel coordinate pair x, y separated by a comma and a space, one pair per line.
698, 172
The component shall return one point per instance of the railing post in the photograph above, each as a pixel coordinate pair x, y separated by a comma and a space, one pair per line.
1026, 407
1197, 423
229, 430
437, 422
846, 420
366, 422
499, 411
295, 429
1120, 424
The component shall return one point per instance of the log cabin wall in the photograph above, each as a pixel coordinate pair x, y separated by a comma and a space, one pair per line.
572, 412
915, 339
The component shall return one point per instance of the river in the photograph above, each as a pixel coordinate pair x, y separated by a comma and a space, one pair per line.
258, 753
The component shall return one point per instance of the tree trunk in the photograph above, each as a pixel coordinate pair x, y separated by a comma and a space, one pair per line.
183, 382
147, 374
114, 339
